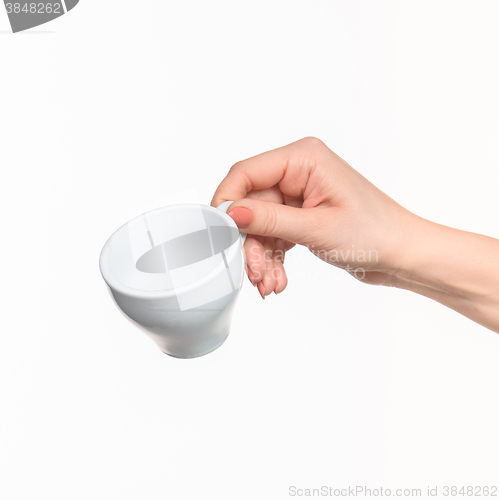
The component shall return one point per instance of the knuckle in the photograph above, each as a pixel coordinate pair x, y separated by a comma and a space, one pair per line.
313, 142
270, 225
236, 167
240, 171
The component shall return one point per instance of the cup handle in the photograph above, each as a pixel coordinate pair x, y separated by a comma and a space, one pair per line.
223, 207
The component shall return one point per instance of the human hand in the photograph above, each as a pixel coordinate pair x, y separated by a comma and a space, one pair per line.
305, 194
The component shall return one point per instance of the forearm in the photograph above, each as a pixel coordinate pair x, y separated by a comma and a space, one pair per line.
456, 268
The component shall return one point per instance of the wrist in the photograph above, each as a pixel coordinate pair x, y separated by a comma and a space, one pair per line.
444, 261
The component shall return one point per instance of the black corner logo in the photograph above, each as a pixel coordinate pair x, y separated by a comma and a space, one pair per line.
24, 15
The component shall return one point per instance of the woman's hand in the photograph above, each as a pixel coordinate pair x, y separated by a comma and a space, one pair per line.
305, 194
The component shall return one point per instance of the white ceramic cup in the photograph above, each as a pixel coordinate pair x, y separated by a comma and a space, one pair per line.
176, 272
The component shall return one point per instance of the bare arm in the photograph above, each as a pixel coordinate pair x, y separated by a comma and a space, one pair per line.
456, 268
305, 194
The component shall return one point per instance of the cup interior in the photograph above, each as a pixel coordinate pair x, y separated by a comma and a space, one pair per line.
169, 248
188, 249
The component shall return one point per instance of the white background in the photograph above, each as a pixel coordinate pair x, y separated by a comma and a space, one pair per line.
107, 111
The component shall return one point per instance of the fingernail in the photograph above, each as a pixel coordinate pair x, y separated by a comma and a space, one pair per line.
261, 289
241, 216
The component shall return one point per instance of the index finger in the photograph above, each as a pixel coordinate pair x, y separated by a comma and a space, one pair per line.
288, 166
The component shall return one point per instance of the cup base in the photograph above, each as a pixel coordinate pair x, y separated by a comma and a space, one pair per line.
198, 354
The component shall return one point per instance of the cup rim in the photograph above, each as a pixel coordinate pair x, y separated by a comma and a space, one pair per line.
116, 285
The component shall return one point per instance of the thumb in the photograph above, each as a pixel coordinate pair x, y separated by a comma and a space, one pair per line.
265, 218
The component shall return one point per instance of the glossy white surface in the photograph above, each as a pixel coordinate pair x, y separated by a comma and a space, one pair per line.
177, 271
